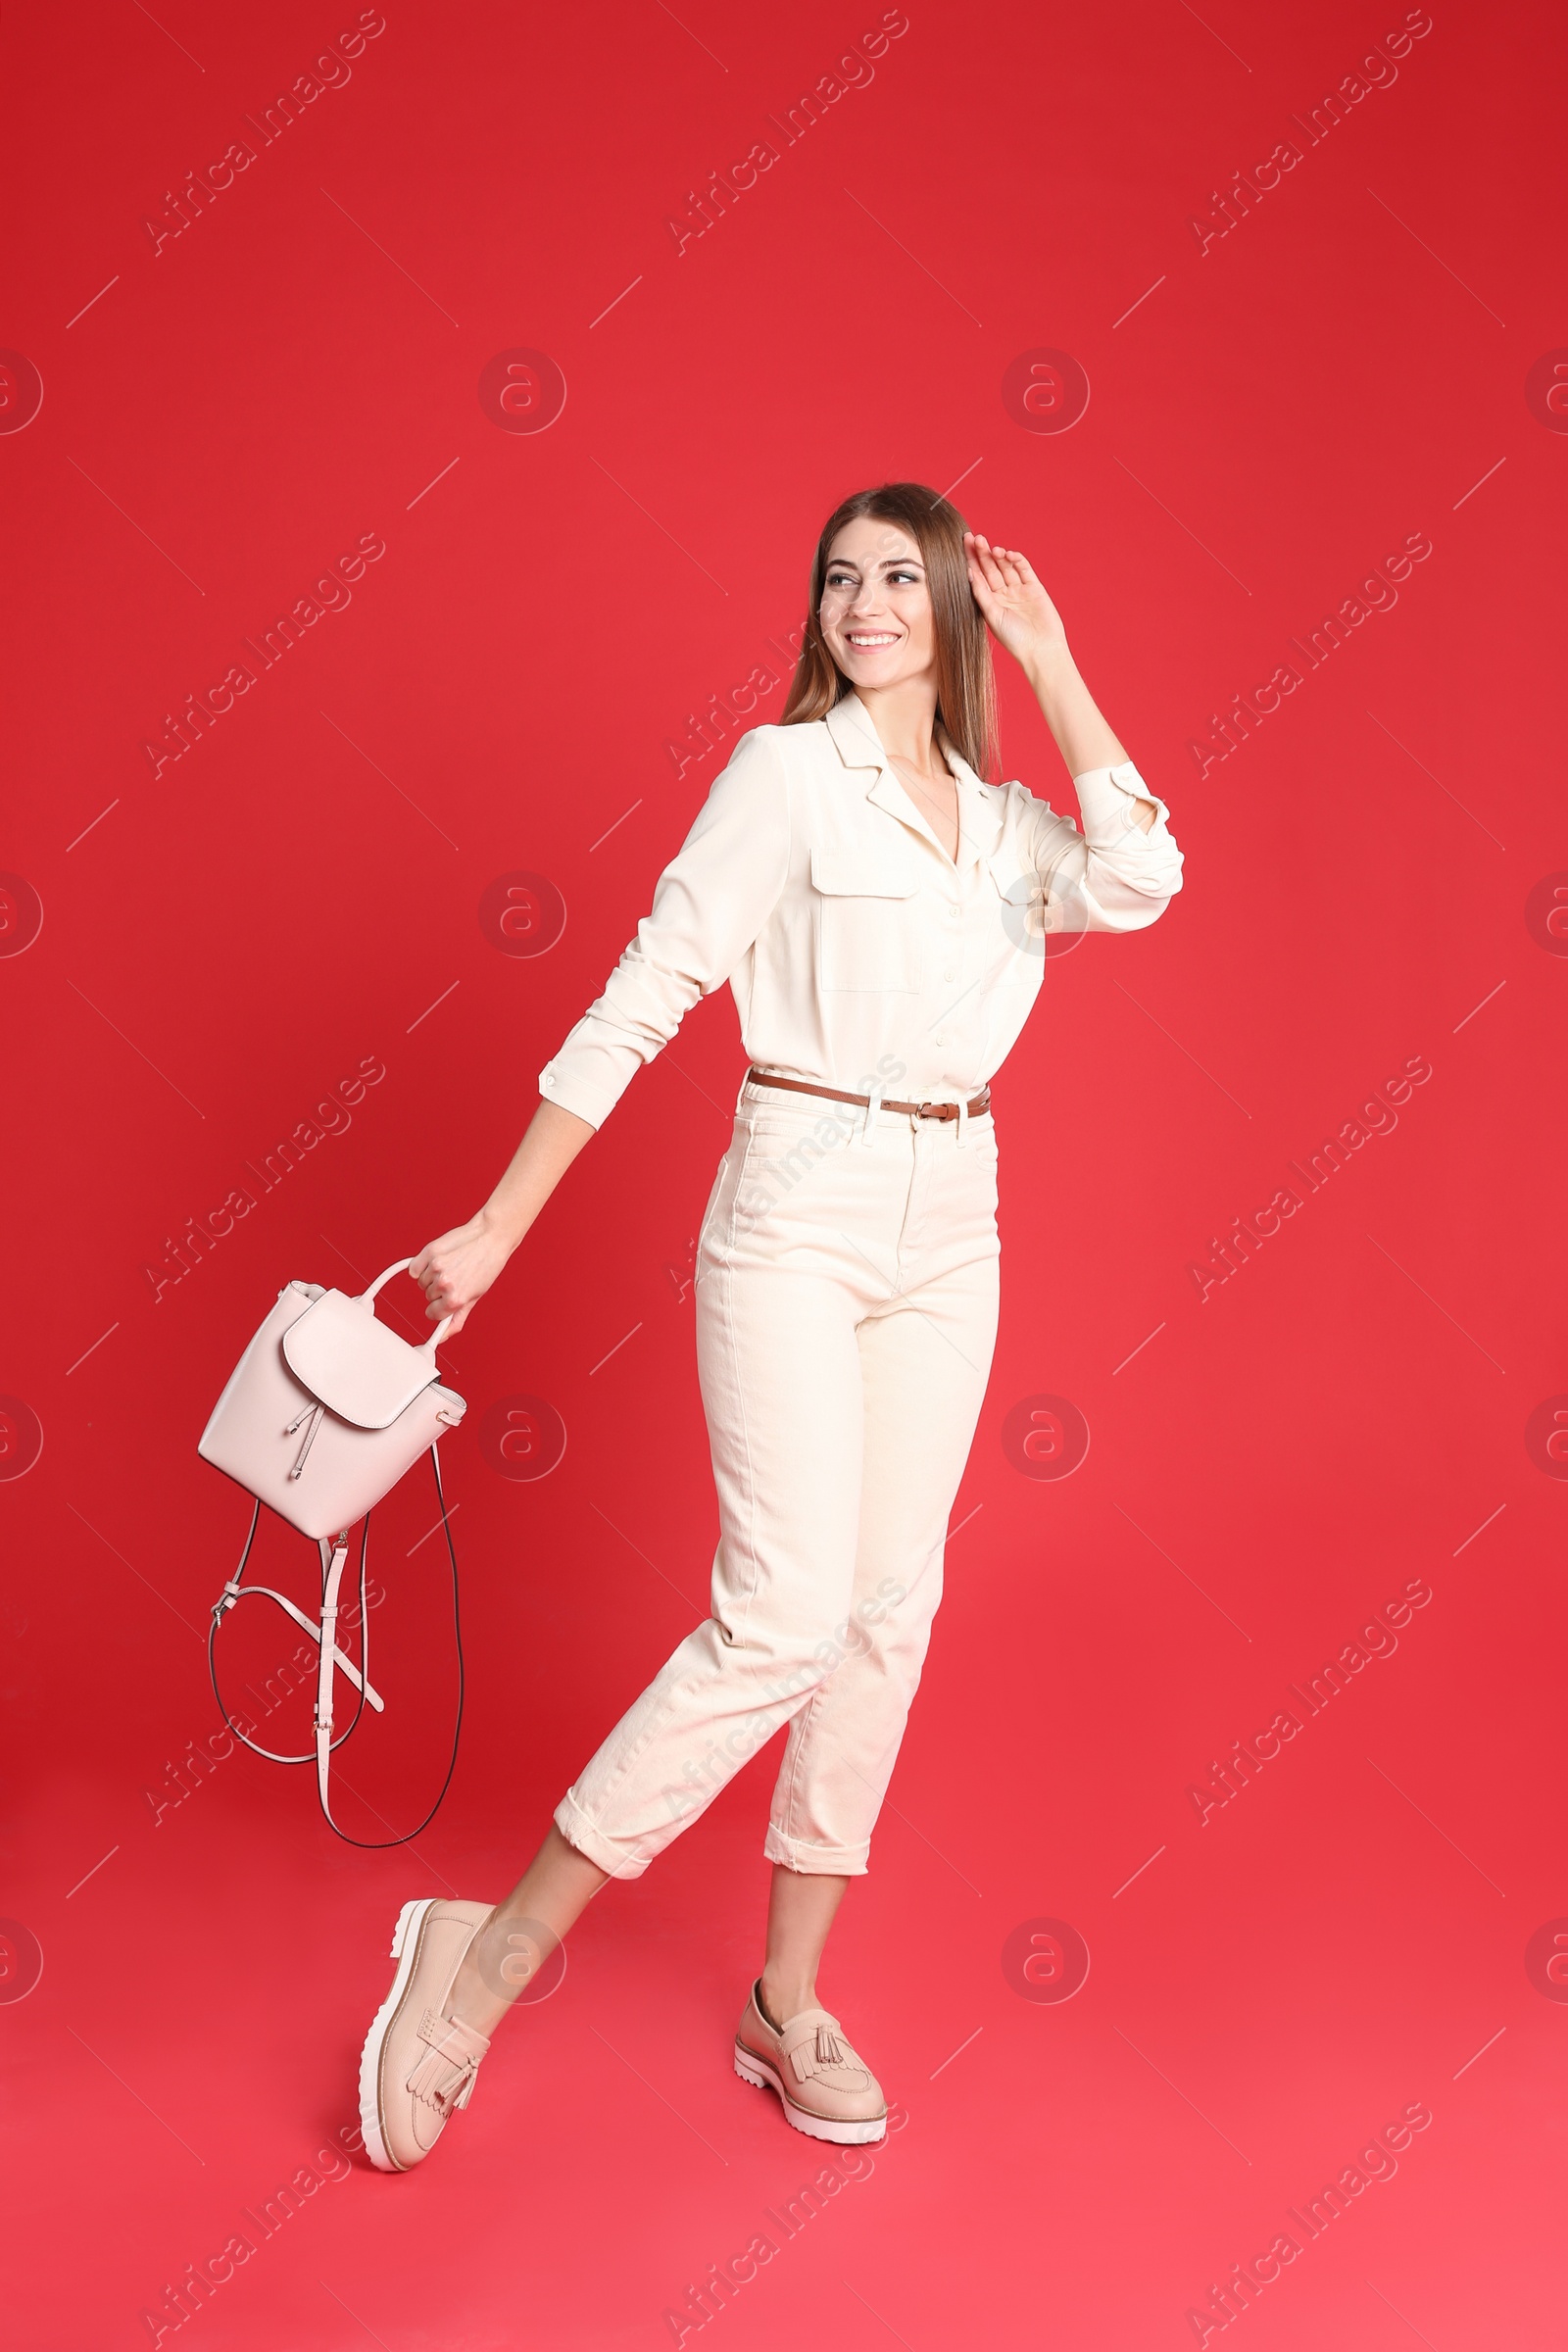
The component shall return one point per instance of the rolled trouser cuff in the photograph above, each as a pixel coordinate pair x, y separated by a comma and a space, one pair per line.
812, 1859
578, 1831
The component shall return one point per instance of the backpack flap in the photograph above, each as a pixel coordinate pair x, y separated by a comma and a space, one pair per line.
354, 1365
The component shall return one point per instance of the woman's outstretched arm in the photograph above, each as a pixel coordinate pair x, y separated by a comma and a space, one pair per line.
456, 1270
709, 905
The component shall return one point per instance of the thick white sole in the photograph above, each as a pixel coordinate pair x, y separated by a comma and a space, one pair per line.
763, 2077
405, 1949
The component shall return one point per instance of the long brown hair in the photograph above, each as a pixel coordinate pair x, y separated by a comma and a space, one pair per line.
966, 692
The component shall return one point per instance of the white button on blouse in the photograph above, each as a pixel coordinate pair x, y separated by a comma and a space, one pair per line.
859, 952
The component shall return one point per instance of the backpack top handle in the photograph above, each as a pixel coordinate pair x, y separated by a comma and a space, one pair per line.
400, 1267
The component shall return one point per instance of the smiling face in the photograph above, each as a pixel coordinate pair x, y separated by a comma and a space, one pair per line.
875, 612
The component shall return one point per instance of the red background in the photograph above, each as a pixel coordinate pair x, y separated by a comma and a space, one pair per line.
231, 413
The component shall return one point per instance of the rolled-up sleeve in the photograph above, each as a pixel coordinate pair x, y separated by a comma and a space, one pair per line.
709, 903
1114, 876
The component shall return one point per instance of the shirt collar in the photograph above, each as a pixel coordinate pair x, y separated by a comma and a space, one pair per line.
854, 732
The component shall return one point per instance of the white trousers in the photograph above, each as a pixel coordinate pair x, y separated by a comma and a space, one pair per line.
846, 1291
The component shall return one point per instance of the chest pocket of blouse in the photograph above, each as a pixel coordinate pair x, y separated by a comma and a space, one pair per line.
866, 919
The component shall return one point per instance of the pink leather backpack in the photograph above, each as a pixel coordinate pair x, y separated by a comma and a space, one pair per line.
321, 1417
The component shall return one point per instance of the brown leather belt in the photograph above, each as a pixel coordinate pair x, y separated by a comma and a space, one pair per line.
914, 1110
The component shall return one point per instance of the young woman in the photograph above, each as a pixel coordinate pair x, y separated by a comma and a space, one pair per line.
881, 914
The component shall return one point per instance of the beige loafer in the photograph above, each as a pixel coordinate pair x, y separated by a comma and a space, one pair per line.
418, 2063
826, 2089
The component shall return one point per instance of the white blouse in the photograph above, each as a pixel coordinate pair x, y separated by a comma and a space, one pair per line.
859, 952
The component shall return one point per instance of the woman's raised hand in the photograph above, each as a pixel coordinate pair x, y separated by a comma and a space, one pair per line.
1019, 613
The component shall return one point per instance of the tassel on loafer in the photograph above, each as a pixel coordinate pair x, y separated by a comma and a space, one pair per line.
419, 2062
826, 2089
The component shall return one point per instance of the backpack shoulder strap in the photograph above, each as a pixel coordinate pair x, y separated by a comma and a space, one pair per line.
332, 1659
